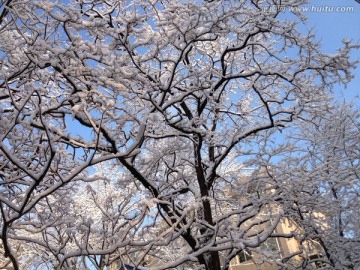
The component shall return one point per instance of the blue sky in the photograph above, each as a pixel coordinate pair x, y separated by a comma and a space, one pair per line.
331, 28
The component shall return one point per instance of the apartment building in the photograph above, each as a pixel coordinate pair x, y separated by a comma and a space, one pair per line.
283, 247
308, 255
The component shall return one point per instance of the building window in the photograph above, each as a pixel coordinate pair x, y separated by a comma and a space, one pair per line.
244, 256
271, 244
318, 262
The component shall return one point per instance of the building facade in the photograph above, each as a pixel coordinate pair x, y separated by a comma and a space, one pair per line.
275, 250
282, 248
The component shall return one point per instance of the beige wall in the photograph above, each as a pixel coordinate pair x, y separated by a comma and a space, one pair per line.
251, 266
287, 246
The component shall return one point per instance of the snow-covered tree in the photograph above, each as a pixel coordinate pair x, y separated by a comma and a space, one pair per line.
176, 95
323, 184
96, 215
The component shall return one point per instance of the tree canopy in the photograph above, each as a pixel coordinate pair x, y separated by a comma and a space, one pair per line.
127, 128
